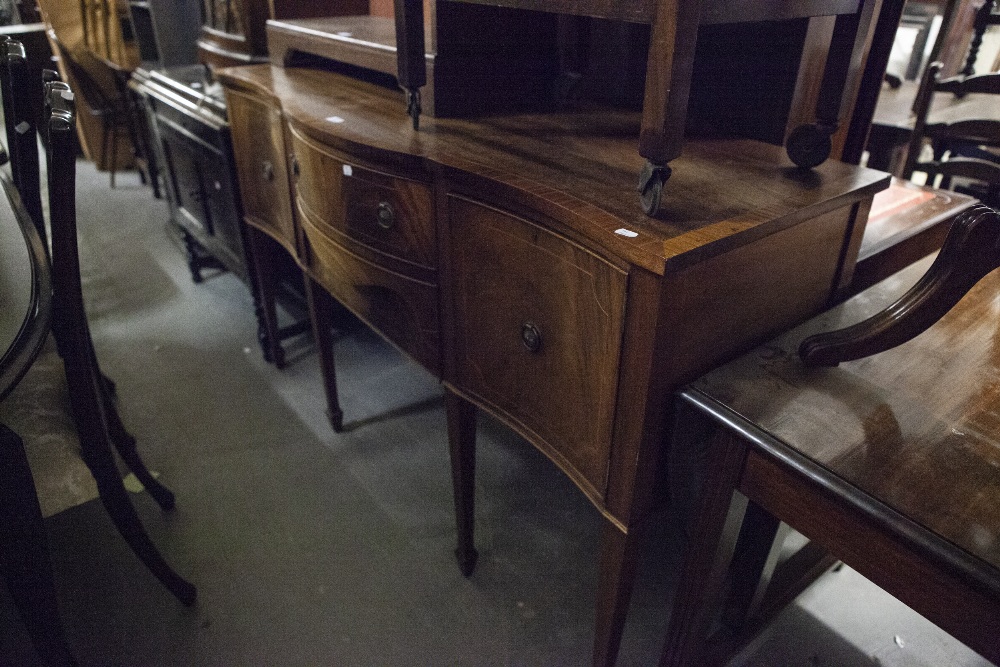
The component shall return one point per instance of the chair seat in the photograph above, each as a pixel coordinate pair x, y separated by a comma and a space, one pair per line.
39, 411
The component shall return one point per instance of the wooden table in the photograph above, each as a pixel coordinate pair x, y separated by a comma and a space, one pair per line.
891, 462
25, 314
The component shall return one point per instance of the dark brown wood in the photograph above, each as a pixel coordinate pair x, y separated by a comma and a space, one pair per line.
24, 555
716, 11
969, 253
907, 222
94, 413
535, 314
530, 282
411, 62
22, 128
462, 446
850, 459
322, 322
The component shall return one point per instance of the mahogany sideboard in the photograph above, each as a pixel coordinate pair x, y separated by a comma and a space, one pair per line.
508, 256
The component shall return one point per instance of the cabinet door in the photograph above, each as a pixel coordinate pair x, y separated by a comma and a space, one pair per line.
259, 150
538, 329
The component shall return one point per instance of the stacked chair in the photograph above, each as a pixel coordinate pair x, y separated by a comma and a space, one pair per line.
966, 152
97, 429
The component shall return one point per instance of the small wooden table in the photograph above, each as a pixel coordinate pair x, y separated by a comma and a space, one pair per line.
891, 463
25, 314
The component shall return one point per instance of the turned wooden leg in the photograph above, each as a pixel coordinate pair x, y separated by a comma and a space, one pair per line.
268, 332
24, 554
322, 323
462, 444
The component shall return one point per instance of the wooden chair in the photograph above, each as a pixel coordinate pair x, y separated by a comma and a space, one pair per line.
97, 423
104, 102
965, 157
969, 254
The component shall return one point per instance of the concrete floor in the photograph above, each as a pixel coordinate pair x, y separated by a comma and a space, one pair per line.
315, 548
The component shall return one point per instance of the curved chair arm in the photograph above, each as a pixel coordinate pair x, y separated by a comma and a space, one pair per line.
970, 252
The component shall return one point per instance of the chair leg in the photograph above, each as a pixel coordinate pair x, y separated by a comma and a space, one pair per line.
124, 443
24, 553
119, 507
88, 398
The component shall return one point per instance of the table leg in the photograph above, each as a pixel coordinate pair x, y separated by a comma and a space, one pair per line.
618, 561
462, 441
322, 322
24, 553
715, 532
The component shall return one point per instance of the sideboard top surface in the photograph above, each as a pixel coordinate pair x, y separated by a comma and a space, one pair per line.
579, 169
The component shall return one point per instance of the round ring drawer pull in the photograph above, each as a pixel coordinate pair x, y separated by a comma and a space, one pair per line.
531, 337
385, 215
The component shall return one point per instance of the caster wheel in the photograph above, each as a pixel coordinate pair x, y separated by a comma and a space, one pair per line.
651, 182
809, 146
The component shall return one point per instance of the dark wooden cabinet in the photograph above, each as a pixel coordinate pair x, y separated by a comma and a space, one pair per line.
192, 139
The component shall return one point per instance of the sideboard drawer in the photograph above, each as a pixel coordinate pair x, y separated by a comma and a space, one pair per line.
538, 331
402, 309
389, 214
259, 150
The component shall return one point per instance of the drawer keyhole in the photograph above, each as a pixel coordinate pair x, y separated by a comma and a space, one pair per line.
385, 215
267, 171
531, 337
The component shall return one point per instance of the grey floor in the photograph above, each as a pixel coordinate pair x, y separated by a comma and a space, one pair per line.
315, 548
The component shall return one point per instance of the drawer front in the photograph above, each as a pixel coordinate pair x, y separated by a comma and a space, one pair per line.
389, 214
402, 309
538, 330
259, 150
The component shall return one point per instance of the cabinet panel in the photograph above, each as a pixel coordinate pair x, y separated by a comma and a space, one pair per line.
402, 309
389, 214
258, 130
538, 330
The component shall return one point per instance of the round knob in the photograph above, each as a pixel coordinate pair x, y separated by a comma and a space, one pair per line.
267, 170
385, 215
531, 337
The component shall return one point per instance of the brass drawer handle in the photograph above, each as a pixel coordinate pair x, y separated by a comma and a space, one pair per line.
267, 171
531, 337
385, 215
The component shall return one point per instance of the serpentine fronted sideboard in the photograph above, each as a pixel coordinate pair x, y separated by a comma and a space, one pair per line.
508, 256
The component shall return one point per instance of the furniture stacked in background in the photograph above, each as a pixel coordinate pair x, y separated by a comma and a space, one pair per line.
504, 250
965, 150
187, 114
890, 459
66, 380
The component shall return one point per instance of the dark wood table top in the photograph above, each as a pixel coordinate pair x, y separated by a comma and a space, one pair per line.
580, 169
25, 289
916, 428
